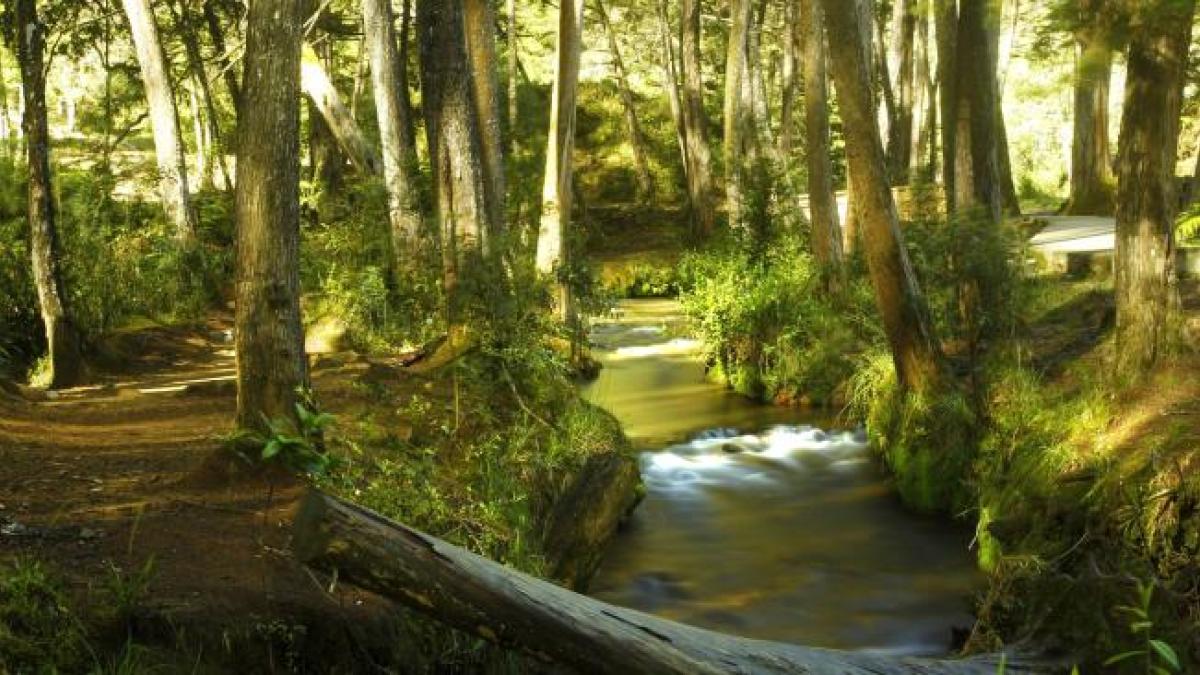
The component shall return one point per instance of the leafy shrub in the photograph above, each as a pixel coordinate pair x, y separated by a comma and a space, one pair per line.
38, 631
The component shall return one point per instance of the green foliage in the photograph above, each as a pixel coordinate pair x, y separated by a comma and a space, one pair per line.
296, 444
1157, 656
39, 633
769, 327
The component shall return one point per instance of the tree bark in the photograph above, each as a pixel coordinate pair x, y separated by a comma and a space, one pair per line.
1092, 180
977, 179
270, 340
637, 139
946, 18
200, 75
1145, 241
793, 48
480, 21
923, 163
863, 42
670, 82
320, 90
164, 121
407, 117
399, 156
699, 172
552, 245
915, 350
456, 157
513, 90
217, 35
822, 200
900, 124
740, 140
62, 337
551, 623
1010, 205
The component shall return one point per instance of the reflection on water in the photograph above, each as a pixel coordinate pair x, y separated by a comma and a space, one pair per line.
788, 533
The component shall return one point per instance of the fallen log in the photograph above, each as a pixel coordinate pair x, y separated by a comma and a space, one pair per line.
550, 623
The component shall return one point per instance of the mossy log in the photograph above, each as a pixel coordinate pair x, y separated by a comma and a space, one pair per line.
551, 623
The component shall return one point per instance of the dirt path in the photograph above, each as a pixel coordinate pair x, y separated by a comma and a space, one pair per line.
110, 475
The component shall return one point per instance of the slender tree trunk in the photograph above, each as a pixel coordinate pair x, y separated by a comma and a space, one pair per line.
670, 82
906, 321
1149, 141
270, 339
740, 131
552, 245
407, 117
793, 48
217, 34
62, 337
456, 156
320, 90
977, 182
864, 42
480, 22
822, 200
399, 158
1010, 205
1092, 181
326, 161
637, 139
946, 17
923, 163
164, 120
200, 75
900, 123
513, 54
699, 172
204, 169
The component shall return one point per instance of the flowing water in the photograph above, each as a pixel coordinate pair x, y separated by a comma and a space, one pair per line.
758, 522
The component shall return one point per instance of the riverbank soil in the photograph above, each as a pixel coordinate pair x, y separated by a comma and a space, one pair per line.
145, 551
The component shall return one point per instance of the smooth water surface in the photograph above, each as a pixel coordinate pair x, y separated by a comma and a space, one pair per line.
758, 524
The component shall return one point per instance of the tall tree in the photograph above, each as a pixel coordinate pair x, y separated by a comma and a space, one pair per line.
511, 12
637, 138
670, 83
925, 106
552, 245
1092, 180
741, 132
1145, 242
480, 21
399, 156
977, 169
270, 340
946, 20
906, 322
315, 84
455, 151
699, 157
822, 201
901, 72
216, 33
62, 337
865, 10
212, 130
164, 120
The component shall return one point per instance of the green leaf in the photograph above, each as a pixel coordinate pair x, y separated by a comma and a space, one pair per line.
1125, 656
1167, 653
1140, 626
272, 448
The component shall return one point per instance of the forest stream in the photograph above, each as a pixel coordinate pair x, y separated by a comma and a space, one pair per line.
757, 521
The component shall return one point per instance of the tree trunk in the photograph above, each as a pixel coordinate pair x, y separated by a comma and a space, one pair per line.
200, 75
699, 171
480, 21
1145, 241
551, 623
946, 18
793, 48
900, 123
1092, 181
670, 82
637, 139
740, 138
1010, 205
217, 35
552, 245
977, 180
923, 163
864, 42
164, 120
407, 117
456, 157
513, 90
270, 339
906, 322
822, 200
326, 162
204, 169
62, 337
320, 90
399, 158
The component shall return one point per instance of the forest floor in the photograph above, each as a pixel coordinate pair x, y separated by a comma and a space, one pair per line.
103, 479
